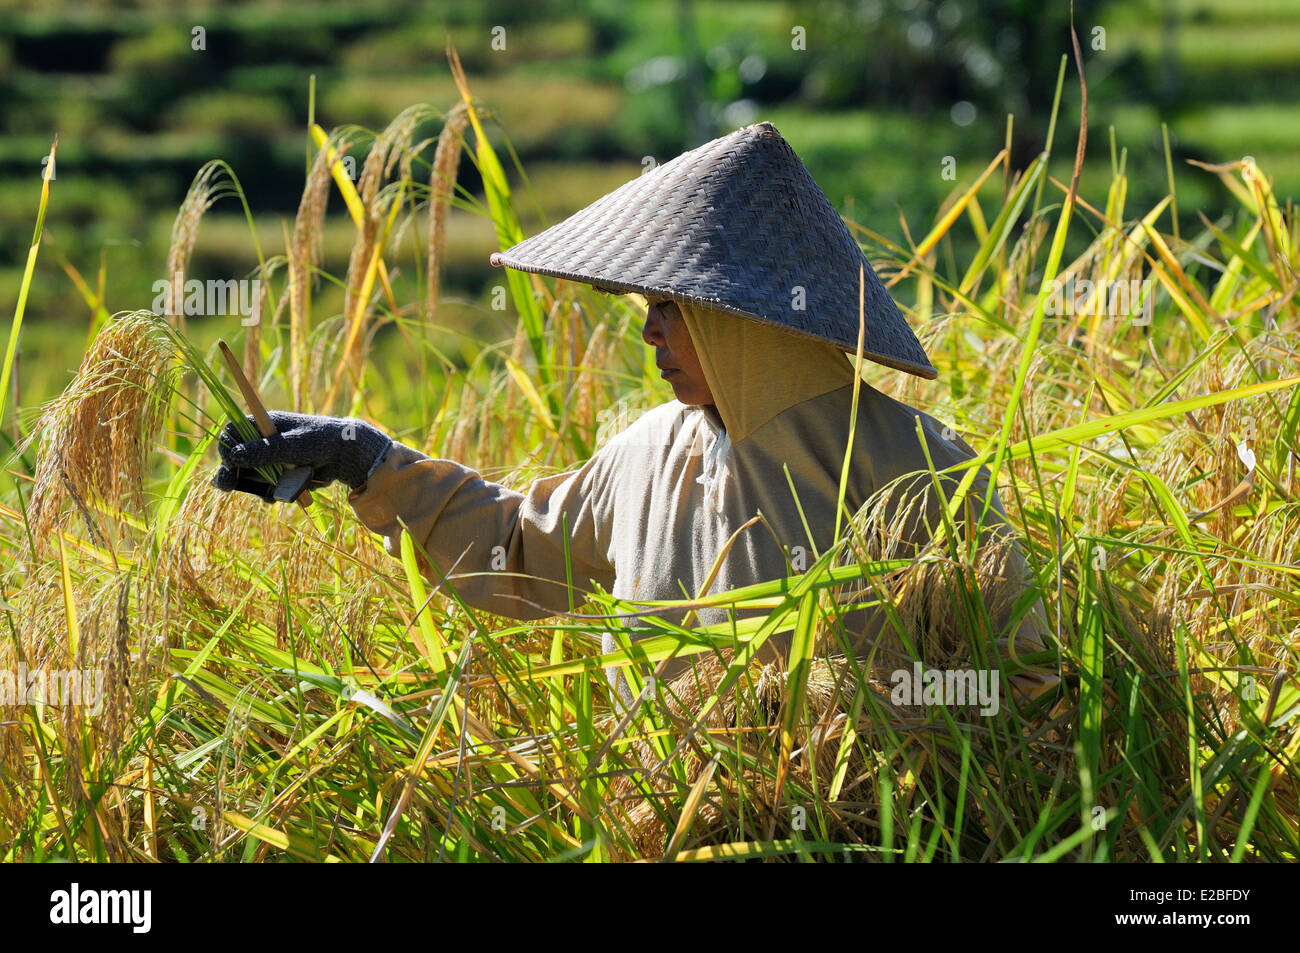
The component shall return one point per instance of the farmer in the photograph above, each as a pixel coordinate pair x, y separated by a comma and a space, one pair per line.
752, 287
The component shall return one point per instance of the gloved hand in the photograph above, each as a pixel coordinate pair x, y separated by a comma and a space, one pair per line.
336, 448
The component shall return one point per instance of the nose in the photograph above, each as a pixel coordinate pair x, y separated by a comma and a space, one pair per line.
652, 332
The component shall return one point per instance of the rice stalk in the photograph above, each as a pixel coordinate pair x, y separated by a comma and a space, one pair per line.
304, 252
11, 349
96, 437
442, 189
270, 674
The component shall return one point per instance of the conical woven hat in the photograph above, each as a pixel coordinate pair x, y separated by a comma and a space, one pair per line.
739, 225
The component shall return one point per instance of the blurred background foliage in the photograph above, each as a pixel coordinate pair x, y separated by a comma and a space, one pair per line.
880, 94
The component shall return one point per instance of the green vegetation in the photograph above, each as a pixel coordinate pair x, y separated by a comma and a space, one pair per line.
279, 688
586, 90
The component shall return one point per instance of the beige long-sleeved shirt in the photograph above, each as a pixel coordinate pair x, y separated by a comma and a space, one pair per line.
649, 513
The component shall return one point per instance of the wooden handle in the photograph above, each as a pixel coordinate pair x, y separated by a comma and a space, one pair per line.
255, 406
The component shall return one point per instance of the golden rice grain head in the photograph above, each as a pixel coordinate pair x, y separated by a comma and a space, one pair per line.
584, 402
442, 188
203, 192
96, 436
751, 713
304, 253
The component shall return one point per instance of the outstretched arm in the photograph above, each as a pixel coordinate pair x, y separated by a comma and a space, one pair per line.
508, 547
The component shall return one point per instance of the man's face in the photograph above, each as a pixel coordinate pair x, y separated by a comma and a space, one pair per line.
666, 331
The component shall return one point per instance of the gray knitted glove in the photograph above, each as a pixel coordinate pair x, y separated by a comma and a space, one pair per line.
336, 448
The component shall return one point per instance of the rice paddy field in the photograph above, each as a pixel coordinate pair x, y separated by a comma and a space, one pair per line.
273, 686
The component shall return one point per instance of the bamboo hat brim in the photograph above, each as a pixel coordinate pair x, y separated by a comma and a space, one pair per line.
739, 225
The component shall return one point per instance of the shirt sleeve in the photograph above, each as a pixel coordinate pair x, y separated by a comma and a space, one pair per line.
507, 547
